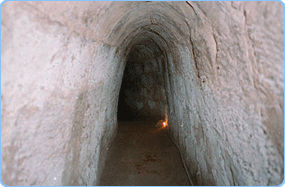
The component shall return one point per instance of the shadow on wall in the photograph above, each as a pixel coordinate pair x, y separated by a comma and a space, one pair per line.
77, 161
71, 172
125, 111
142, 95
134, 103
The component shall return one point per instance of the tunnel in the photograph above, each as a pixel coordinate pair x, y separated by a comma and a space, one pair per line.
76, 75
142, 93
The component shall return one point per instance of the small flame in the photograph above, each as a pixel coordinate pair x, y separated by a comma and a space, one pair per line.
165, 123
162, 123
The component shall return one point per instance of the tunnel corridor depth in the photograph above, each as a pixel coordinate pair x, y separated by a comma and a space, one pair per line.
142, 93
142, 152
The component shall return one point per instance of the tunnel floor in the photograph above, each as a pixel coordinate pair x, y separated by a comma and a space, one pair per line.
143, 155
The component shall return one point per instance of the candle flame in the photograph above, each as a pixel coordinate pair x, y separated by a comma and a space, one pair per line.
165, 122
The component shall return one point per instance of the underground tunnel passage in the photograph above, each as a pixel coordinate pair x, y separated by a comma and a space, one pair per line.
142, 93
142, 152
75, 75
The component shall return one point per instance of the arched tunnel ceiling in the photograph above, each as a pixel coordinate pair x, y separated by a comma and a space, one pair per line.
160, 18
149, 40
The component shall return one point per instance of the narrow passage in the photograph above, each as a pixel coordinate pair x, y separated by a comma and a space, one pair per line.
143, 155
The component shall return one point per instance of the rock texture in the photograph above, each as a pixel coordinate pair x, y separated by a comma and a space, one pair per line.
217, 65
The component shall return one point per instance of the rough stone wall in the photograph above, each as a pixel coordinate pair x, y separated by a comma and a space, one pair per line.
62, 66
230, 118
59, 100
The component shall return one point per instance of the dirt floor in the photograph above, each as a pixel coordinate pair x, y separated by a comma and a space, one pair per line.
143, 155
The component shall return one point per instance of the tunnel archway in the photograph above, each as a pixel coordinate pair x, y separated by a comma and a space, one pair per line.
154, 54
154, 159
142, 94
149, 40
